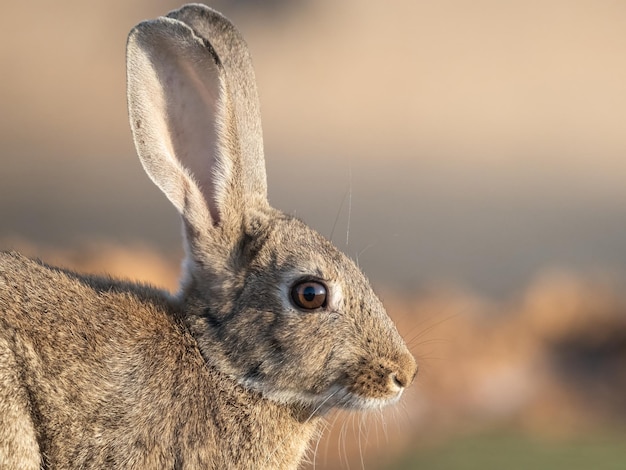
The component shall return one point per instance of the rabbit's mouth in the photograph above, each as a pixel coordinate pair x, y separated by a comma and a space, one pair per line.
357, 402
336, 396
352, 400
341, 397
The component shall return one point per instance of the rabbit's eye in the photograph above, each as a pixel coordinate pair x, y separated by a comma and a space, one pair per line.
309, 295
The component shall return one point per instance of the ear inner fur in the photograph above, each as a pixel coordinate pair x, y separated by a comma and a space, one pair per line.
233, 52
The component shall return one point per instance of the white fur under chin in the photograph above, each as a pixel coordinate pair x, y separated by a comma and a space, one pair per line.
335, 397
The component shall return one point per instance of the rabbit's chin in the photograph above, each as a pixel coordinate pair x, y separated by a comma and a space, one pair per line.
336, 396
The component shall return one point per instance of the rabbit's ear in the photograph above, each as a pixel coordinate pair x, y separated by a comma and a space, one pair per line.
191, 125
245, 116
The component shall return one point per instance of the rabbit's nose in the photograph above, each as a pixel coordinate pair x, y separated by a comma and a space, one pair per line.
404, 376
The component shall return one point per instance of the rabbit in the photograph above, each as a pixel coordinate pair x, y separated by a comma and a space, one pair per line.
272, 326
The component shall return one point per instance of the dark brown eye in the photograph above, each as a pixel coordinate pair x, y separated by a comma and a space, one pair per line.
309, 295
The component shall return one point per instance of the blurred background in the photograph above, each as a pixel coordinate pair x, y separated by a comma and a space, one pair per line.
470, 155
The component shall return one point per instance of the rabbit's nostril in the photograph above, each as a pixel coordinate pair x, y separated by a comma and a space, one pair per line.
399, 380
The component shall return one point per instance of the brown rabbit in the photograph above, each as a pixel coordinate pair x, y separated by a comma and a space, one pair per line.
272, 325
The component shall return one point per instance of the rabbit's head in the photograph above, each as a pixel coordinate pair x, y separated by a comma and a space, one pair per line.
271, 303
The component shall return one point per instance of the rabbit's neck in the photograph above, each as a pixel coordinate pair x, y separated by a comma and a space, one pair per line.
269, 433
259, 433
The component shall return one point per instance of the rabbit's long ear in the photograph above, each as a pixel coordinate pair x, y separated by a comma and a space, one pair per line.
197, 131
245, 117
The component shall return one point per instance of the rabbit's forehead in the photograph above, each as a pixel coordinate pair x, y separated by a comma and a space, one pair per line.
299, 251
293, 251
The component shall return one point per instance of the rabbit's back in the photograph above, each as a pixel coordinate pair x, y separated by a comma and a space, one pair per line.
110, 378
88, 363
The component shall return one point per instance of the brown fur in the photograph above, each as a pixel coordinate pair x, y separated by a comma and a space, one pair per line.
229, 373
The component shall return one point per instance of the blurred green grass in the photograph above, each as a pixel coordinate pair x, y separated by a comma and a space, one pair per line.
518, 452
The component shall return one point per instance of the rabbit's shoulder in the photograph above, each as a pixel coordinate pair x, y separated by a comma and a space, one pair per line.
67, 311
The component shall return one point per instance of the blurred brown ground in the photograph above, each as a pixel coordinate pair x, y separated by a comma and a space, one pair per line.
481, 144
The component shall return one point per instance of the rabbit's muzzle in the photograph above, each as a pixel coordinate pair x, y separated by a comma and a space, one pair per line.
377, 383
